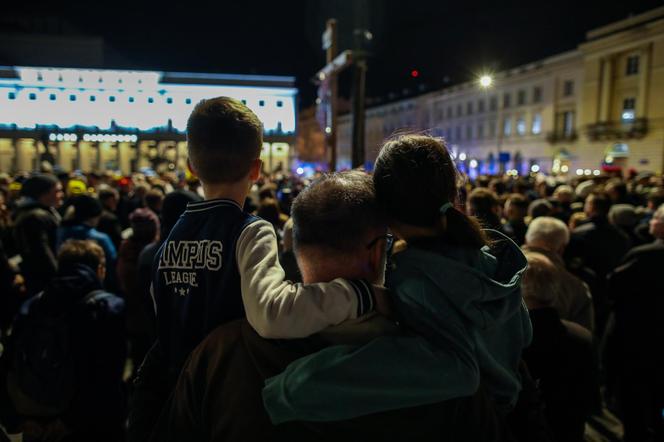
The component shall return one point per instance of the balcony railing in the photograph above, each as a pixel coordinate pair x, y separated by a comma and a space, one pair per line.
561, 137
612, 130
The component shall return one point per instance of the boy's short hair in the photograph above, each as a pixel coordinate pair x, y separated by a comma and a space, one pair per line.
224, 138
86, 252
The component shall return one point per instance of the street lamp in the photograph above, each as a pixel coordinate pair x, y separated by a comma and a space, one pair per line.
486, 81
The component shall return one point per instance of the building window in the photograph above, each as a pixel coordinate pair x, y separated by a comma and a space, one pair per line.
469, 132
480, 106
568, 123
32, 96
469, 108
93, 98
449, 112
130, 99
632, 65
629, 104
493, 104
507, 100
492, 128
507, 127
11, 96
261, 103
72, 97
169, 100
521, 98
537, 94
457, 135
568, 88
280, 103
537, 124
459, 110
111, 99
480, 131
51, 97
150, 100
521, 125
187, 101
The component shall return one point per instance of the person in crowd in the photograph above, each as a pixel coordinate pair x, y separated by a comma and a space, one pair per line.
339, 232
269, 211
634, 336
549, 236
560, 357
625, 218
220, 264
540, 207
287, 256
654, 199
76, 392
81, 223
154, 200
457, 298
36, 222
140, 323
483, 205
599, 246
109, 223
516, 209
564, 195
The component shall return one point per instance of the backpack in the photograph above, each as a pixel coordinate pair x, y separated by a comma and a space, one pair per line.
44, 372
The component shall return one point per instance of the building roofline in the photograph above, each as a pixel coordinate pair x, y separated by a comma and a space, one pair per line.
627, 23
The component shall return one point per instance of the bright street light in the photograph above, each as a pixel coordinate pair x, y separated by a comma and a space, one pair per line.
486, 81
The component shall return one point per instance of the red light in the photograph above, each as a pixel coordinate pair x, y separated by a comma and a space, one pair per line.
414, 73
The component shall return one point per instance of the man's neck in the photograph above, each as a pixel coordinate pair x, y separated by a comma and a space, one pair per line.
237, 191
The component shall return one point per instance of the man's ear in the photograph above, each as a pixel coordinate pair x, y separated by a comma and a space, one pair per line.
376, 255
255, 170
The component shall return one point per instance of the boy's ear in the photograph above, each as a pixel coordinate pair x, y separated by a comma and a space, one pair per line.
255, 170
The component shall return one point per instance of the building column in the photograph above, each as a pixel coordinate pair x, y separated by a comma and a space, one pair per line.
25, 154
644, 71
606, 85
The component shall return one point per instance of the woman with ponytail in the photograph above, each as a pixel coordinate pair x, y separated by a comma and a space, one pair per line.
457, 297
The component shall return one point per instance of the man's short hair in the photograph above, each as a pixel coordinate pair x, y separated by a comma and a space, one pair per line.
551, 232
519, 201
540, 282
85, 252
336, 212
482, 201
224, 137
106, 193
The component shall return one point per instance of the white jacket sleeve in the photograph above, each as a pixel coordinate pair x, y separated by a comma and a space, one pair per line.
277, 308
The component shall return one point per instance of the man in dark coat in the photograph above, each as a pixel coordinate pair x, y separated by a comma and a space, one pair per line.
634, 337
35, 231
109, 223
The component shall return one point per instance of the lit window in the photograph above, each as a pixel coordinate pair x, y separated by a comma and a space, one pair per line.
537, 124
150, 100
111, 99
169, 100
72, 97
521, 97
507, 127
32, 96
93, 98
629, 104
537, 94
521, 125
187, 101
261, 103
280, 103
11, 96
568, 88
130, 99
51, 97
632, 65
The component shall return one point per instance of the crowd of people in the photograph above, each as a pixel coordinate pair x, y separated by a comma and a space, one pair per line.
410, 303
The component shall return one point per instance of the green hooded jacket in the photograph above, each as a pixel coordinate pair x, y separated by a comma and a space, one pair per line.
463, 320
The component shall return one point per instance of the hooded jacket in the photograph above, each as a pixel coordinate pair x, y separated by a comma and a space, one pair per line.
463, 319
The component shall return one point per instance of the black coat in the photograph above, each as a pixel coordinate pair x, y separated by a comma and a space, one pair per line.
560, 358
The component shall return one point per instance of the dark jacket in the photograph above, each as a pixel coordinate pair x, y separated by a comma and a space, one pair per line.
560, 359
109, 224
205, 406
35, 231
99, 347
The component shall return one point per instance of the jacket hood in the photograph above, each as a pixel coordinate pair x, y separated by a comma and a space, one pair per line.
71, 284
484, 285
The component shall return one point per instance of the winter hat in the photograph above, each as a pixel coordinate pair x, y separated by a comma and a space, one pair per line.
38, 185
145, 225
85, 207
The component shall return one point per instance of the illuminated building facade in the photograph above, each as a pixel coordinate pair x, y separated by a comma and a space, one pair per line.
96, 120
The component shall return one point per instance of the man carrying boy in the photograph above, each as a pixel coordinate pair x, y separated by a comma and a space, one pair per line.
220, 263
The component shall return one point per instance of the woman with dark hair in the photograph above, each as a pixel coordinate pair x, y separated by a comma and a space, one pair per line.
456, 295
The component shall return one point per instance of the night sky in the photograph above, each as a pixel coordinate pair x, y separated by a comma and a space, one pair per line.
446, 42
